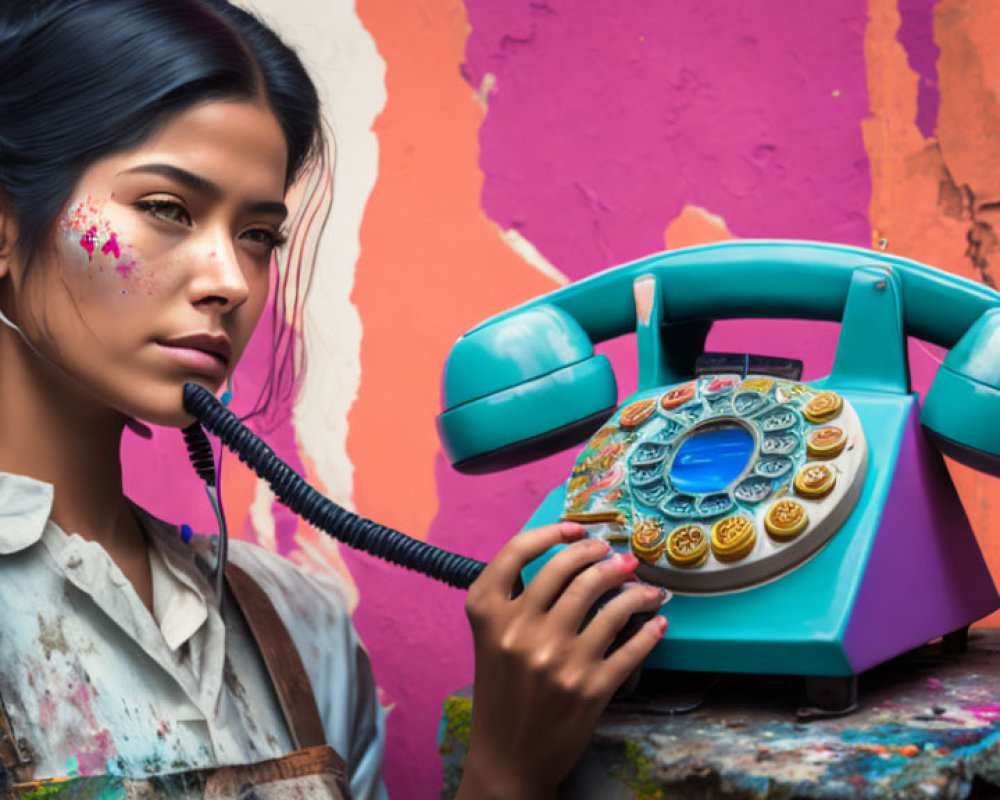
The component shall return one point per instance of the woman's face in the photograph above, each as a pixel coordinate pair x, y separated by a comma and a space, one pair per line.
159, 265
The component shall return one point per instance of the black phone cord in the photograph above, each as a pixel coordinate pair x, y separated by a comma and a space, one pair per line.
291, 490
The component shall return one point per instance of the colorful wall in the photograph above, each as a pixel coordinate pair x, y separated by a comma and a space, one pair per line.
488, 152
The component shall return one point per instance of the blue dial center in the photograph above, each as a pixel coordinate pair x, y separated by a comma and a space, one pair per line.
712, 458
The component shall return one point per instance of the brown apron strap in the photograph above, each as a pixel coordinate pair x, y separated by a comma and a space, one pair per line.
284, 665
15, 754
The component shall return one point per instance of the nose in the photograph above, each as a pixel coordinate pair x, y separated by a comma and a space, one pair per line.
218, 275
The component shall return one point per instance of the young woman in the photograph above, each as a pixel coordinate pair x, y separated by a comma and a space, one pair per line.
146, 148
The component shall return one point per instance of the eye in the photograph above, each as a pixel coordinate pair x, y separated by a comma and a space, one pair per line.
268, 239
166, 210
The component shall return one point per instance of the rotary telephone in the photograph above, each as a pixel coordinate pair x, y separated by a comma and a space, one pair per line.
805, 528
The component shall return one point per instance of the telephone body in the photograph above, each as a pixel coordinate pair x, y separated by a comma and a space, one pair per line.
804, 528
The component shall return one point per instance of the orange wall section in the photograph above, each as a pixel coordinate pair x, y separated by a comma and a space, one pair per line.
929, 193
424, 245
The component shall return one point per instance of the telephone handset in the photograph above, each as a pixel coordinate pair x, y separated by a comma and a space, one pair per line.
798, 524
527, 381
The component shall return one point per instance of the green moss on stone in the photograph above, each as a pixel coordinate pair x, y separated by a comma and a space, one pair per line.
453, 741
458, 721
640, 773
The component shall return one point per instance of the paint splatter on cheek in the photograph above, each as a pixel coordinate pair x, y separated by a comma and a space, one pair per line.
87, 240
111, 246
86, 225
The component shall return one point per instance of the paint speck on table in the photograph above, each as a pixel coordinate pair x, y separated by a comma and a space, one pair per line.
928, 726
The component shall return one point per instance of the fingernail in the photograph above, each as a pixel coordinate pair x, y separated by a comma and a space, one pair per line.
570, 530
661, 622
657, 592
628, 561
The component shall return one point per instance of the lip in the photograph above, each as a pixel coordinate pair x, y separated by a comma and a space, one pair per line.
202, 351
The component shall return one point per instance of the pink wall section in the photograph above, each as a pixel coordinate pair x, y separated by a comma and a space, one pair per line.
601, 132
605, 121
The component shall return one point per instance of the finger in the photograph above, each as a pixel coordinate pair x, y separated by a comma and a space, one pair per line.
619, 665
562, 568
605, 627
579, 597
505, 568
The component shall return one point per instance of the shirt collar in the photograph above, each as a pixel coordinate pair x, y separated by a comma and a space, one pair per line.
180, 590
25, 506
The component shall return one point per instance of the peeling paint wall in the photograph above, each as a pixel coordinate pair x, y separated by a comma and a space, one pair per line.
488, 152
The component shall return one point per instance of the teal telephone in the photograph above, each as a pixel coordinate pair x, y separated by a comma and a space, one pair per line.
804, 528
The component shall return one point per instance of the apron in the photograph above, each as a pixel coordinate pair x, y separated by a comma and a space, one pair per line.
314, 771
317, 772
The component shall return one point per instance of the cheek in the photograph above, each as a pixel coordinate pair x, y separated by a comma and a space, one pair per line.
101, 250
251, 314
260, 288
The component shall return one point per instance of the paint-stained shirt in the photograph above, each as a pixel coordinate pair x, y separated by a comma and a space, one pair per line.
95, 683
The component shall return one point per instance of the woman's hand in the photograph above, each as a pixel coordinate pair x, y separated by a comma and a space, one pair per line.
541, 683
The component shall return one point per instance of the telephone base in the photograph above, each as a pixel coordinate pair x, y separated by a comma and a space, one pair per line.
829, 696
904, 569
956, 642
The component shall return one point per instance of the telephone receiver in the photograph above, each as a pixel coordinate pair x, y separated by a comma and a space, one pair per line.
799, 525
527, 382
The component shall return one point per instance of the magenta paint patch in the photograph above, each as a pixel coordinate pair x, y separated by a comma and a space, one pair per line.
916, 35
88, 240
92, 759
605, 120
987, 712
111, 246
46, 709
81, 699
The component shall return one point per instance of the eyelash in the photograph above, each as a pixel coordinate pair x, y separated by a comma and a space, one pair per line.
274, 240
155, 207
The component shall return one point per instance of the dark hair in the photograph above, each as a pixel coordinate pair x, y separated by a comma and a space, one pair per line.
82, 79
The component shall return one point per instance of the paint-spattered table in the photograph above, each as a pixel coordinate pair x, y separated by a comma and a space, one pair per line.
928, 726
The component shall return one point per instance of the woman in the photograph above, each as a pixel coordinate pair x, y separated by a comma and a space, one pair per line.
146, 147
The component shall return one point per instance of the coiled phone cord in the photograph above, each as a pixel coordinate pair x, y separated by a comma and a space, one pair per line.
291, 490
203, 460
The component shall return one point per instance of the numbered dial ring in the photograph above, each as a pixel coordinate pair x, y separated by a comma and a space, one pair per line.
721, 483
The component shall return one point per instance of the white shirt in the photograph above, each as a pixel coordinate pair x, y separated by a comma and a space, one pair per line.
97, 684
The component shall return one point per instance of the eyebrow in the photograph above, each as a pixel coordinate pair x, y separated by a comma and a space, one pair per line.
203, 186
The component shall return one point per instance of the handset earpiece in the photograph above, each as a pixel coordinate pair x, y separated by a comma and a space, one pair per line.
522, 387
963, 403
